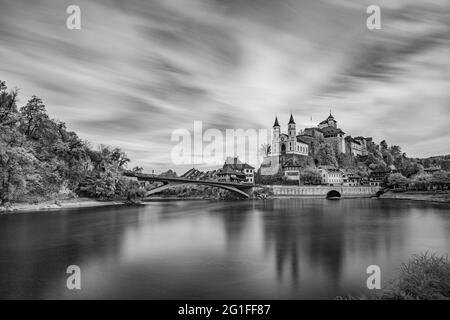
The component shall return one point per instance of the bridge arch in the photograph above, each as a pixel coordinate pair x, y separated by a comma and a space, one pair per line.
171, 184
333, 194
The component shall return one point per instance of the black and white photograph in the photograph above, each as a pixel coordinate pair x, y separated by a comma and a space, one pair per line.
225, 150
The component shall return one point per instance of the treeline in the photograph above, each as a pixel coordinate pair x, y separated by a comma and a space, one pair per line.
40, 158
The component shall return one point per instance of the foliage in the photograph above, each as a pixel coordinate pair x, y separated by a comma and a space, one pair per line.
310, 176
421, 181
441, 179
325, 155
397, 180
40, 157
424, 277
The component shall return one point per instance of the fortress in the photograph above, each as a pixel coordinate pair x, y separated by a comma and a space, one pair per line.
293, 150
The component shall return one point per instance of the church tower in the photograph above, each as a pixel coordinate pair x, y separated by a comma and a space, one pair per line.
291, 135
275, 138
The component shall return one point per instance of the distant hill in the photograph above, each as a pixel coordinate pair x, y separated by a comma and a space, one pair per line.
436, 161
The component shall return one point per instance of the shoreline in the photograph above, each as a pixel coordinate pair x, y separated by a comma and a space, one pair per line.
53, 205
423, 196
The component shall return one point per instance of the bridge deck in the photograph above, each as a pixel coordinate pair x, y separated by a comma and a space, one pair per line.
149, 177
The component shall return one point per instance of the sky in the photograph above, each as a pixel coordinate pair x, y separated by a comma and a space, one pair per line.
138, 70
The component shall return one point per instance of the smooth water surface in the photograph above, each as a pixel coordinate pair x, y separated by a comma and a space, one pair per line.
271, 249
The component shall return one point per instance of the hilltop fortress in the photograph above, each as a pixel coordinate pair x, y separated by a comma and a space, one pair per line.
294, 150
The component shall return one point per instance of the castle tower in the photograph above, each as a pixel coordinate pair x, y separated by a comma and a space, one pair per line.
331, 121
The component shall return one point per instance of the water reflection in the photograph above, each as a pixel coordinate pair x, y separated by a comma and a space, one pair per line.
283, 248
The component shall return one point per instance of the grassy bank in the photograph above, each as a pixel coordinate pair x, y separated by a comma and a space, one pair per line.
423, 277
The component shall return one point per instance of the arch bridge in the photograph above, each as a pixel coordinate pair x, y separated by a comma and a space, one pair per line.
243, 189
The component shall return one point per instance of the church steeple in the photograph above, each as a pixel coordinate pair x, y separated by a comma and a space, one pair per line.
291, 120
276, 124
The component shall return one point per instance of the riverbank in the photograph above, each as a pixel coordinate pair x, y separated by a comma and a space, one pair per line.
431, 196
58, 204
424, 277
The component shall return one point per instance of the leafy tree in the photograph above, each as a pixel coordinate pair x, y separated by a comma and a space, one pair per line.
411, 168
8, 108
16, 163
137, 169
441, 179
310, 176
33, 115
422, 180
397, 180
325, 155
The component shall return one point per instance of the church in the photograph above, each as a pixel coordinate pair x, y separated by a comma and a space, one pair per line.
288, 151
290, 143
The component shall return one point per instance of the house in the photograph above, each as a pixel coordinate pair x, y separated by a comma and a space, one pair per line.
351, 179
292, 168
227, 174
331, 176
237, 170
377, 177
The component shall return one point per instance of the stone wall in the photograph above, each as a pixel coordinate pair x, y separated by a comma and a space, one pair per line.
322, 191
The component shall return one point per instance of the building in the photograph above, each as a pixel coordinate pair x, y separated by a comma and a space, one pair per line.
235, 170
356, 146
351, 179
292, 168
332, 134
331, 176
287, 144
227, 174
377, 178
287, 150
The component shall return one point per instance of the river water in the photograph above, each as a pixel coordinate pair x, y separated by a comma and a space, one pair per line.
271, 249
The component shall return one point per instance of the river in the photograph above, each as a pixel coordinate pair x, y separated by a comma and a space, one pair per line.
267, 249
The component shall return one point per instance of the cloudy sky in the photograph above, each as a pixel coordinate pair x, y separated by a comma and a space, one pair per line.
138, 70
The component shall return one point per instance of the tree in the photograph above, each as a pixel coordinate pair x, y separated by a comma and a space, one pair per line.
310, 176
397, 180
411, 168
422, 180
33, 115
264, 150
383, 145
441, 179
16, 164
325, 155
137, 169
8, 108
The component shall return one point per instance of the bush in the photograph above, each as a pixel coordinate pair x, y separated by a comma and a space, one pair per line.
424, 277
